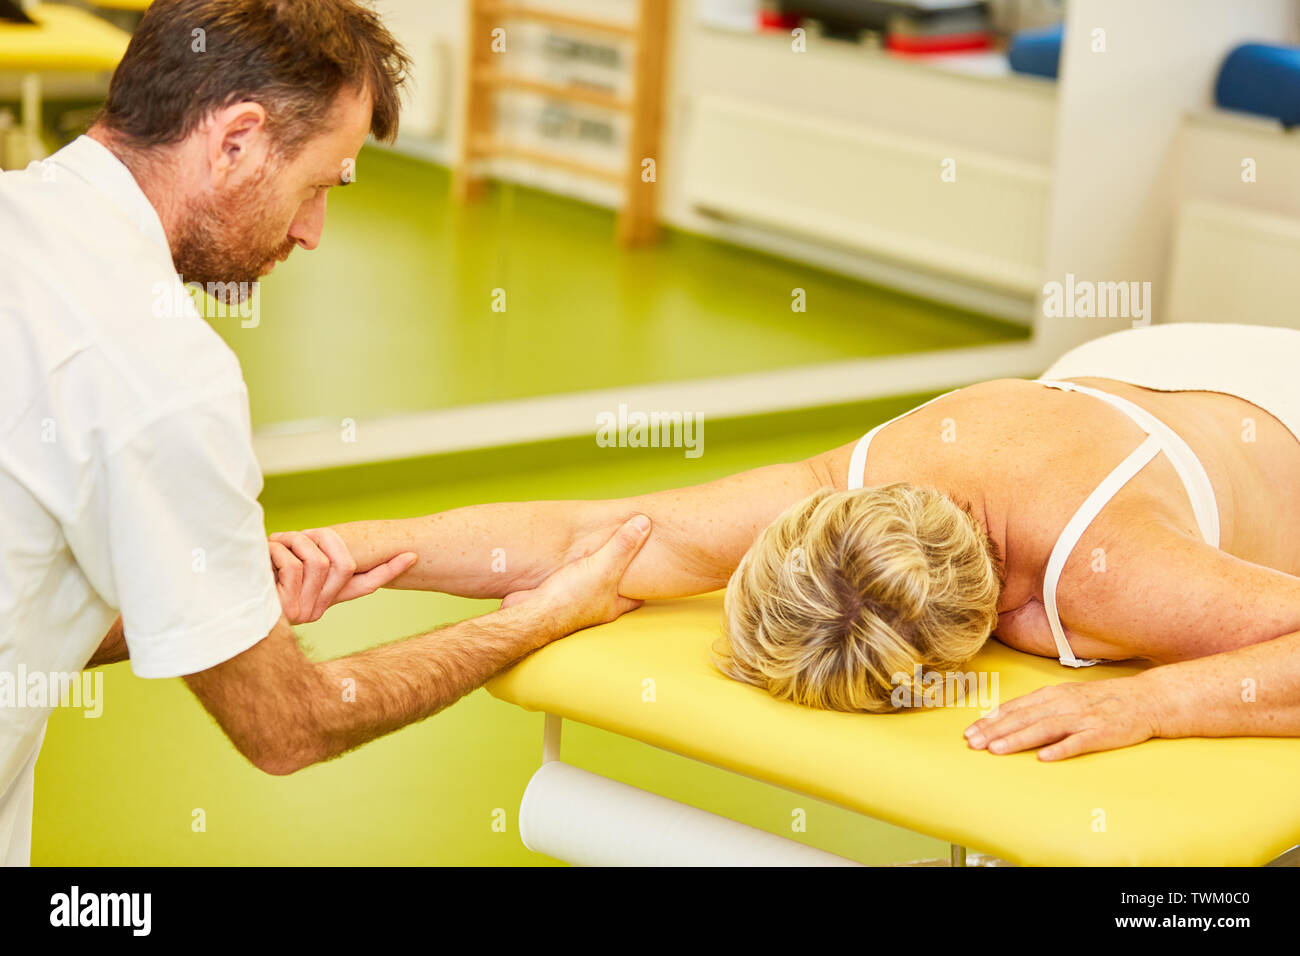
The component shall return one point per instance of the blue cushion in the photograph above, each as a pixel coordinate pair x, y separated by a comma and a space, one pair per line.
1037, 51
1262, 79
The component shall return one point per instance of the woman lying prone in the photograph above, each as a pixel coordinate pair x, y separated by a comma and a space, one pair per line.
1082, 516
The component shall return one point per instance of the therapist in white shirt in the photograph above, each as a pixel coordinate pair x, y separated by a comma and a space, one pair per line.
128, 484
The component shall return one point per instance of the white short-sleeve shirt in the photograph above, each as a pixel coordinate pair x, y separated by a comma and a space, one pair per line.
128, 481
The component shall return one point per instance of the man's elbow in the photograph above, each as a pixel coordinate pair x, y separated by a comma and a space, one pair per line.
280, 758
277, 766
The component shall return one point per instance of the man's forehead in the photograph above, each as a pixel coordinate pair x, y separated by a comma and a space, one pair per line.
333, 155
349, 124
329, 156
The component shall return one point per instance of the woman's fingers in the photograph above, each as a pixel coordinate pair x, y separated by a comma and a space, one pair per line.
1085, 741
1067, 720
359, 585
1013, 716
315, 572
1044, 728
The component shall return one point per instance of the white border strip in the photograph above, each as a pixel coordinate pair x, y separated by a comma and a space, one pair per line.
309, 446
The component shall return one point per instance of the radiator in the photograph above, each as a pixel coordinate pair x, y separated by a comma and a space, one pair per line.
871, 191
1234, 264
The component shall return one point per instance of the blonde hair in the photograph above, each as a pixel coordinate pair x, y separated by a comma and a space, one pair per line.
849, 594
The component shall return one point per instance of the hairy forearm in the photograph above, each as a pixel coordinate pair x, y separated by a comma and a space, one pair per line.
112, 649
699, 535
344, 703
1251, 691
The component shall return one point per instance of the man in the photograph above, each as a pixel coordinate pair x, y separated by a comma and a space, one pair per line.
127, 478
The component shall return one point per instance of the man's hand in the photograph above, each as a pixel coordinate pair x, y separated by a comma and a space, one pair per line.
585, 592
314, 570
1074, 718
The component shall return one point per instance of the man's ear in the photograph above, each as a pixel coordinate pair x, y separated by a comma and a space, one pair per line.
236, 141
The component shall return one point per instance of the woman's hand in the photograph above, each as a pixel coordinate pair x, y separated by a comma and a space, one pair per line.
314, 570
1071, 719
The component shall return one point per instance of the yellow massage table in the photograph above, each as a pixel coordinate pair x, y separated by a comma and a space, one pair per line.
63, 39
1164, 802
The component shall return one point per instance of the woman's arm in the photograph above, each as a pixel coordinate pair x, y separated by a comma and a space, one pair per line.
1141, 586
1226, 631
699, 535
1250, 692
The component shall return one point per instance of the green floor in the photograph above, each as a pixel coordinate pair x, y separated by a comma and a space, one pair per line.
393, 312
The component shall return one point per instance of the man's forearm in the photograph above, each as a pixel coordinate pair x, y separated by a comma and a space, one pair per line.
284, 712
374, 692
1248, 692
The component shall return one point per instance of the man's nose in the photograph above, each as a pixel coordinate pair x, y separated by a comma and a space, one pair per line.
307, 225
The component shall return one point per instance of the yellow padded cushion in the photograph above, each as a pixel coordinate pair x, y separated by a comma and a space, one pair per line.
63, 38
1165, 802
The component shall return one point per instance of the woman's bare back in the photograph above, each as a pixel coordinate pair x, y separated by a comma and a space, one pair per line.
1025, 456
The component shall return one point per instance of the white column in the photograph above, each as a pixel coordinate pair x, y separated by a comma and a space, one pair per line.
1129, 72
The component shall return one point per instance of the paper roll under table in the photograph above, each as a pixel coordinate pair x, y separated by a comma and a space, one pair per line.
590, 820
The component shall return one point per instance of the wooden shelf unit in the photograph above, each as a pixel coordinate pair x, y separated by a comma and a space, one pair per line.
637, 218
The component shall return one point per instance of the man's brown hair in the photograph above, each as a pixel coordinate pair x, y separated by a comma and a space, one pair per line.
190, 57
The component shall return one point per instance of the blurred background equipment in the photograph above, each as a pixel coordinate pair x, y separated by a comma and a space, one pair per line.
1037, 52
925, 26
58, 40
1263, 79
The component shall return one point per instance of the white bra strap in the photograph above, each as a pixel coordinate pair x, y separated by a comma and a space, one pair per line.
1091, 507
1196, 482
858, 463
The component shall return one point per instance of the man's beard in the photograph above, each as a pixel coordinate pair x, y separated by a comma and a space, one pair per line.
218, 246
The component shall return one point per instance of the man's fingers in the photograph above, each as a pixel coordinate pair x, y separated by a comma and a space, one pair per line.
362, 584
618, 552
585, 591
288, 578
315, 569
341, 567
516, 597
